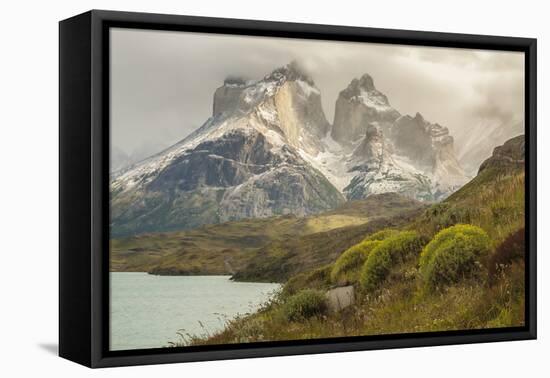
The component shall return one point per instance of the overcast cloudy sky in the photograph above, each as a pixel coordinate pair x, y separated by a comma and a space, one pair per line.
162, 83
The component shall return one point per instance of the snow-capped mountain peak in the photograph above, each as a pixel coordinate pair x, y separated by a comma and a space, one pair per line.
268, 149
357, 106
247, 160
430, 147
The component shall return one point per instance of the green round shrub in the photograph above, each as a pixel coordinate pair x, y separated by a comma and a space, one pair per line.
304, 305
455, 253
381, 235
316, 279
346, 268
390, 252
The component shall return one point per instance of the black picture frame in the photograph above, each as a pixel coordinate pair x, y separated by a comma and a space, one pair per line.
84, 194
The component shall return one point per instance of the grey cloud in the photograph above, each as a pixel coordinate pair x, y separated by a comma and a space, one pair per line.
162, 83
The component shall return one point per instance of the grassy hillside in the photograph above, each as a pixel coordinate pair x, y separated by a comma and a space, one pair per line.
284, 258
270, 249
457, 265
203, 250
494, 200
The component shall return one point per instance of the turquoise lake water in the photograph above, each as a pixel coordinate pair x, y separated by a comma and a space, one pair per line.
146, 311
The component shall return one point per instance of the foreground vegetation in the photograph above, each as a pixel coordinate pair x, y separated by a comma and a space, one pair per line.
405, 302
458, 265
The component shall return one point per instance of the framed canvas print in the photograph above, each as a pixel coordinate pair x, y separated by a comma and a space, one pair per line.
234, 188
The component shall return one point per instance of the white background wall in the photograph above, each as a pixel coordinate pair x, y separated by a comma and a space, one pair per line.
29, 189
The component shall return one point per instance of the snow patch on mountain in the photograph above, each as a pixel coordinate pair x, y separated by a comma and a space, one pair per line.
268, 149
332, 161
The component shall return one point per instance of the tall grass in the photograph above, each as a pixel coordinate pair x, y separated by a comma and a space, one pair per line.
493, 201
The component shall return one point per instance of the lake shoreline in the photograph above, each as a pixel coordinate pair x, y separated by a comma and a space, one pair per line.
152, 311
198, 274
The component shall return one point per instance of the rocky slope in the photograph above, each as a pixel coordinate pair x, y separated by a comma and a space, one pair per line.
473, 149
358, 105
509, 156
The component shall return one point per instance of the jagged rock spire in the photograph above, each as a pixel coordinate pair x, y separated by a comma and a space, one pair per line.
291, 72
373, 146
359, 105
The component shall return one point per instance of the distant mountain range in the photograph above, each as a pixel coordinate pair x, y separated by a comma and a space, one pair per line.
269, 150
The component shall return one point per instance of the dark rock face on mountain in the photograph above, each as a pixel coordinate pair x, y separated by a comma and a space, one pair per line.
238, 175
227, 161
359, 105
511, 155
227, 98
244, 162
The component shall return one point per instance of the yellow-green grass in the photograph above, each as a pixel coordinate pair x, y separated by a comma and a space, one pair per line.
401, 307
329, 222
493, 201
381, 235
346, 269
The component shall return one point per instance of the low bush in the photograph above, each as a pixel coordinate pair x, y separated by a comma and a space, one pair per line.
304, 305
381, 235
316, 279
453, 254
390, 252
346, 268
510, 250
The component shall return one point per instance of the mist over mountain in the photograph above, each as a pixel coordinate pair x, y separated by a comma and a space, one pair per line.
268, 149
246, 161
476, 147
121, 159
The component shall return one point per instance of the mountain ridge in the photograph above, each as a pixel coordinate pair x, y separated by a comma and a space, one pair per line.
268, 149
